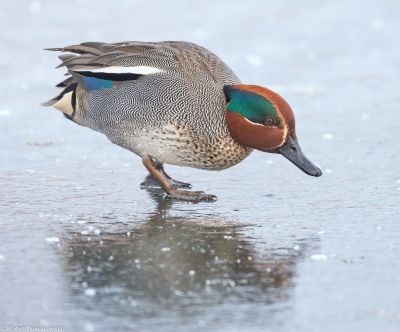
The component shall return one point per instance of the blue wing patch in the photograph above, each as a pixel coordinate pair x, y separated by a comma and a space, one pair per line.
93, 83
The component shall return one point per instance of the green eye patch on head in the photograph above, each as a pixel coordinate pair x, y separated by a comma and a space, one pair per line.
252, 106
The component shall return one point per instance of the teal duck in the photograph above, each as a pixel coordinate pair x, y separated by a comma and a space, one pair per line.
174, 103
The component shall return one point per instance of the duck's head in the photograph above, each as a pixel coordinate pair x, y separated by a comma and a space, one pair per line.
261, 119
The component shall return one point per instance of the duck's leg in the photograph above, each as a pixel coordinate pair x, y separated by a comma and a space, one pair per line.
175, 193
151, 181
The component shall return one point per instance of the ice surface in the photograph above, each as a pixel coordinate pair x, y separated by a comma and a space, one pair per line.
4, 112
35, 7
319, 257
89, 327
254, 60
90, 292
377, 23
328, 136
52, 239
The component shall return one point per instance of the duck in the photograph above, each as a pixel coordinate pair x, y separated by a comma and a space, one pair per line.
177, 103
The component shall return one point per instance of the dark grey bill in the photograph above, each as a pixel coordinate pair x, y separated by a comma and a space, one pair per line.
291, 150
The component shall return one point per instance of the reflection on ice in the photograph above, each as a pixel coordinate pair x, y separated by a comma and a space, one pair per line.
176, 265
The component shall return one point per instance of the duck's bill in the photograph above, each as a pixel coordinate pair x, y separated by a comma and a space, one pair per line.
291, 150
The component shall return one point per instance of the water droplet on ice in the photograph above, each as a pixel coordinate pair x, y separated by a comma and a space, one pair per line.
52, 239
319, 257
90, 292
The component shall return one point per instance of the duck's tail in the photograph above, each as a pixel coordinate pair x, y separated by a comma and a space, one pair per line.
66, 100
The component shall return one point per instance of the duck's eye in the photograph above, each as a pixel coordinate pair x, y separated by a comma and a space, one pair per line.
270, 122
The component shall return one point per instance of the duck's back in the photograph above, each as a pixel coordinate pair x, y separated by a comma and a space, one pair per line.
164, 100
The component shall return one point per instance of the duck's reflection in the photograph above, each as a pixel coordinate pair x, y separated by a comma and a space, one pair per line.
176, 263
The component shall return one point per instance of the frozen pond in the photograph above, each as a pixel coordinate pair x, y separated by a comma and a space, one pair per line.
84, 248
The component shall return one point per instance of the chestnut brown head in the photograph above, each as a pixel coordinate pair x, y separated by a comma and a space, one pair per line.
261, 119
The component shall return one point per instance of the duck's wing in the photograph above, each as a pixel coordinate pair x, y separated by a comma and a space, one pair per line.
116, 61
128, 60
95, 65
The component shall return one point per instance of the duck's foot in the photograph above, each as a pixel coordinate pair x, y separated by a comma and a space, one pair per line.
158, 176
151, 182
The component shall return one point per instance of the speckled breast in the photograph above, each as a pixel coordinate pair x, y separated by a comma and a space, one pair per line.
180, 145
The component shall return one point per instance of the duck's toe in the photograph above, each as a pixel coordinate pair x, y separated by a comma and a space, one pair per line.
151, 182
